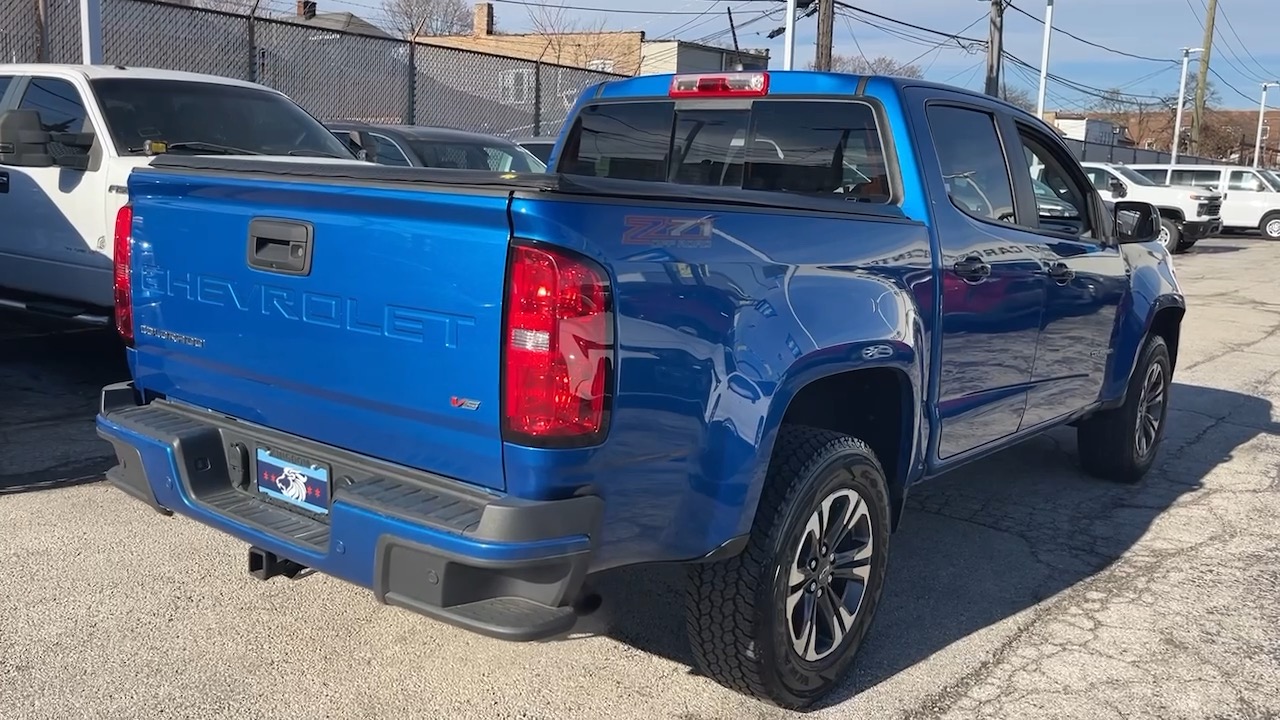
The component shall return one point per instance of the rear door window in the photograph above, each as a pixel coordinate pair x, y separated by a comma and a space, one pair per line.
972, 162
813, 147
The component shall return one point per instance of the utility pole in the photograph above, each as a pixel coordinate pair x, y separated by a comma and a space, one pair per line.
789, 39
826, 31
995, 48
733, 29
1203, 76
1182, 101
1044, 58
91, 32
1262, 116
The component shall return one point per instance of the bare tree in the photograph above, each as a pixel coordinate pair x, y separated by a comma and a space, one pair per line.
1018, 96
882, 65
427, 17
569, 40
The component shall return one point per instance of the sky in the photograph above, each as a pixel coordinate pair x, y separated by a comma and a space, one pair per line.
1246, 49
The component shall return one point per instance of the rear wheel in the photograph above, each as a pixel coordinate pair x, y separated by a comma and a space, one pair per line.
1270, 226
784, 620
1121, 444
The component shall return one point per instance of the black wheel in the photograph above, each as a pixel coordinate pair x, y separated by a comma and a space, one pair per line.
1121, 444
783, 620
1170, 235
1270, 226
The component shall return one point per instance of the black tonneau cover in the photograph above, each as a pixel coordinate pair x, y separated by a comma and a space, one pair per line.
374, 174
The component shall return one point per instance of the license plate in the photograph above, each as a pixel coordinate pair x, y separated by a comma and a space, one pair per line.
293, 479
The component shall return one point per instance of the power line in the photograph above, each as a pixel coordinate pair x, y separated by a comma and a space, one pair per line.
1231, 27
847, 6
1091, 43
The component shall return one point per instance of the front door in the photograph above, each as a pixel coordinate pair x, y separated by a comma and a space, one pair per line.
1087, 280
57, 243
1249, 199
993, 293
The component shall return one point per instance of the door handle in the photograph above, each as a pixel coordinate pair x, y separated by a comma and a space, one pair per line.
1061, 273
972, 269
281, 246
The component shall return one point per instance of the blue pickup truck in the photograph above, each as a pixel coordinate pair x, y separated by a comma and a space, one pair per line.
741, 316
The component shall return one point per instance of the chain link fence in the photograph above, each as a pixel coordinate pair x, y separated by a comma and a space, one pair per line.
335, 74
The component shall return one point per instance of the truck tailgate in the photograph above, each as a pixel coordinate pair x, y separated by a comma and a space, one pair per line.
363, 316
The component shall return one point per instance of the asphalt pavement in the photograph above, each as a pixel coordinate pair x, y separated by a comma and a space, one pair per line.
1019, 587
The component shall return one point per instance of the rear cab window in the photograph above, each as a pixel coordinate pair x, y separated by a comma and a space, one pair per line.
812, 147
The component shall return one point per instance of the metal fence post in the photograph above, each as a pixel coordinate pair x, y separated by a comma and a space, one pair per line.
537, 99
42, 31
411, 106
253, 43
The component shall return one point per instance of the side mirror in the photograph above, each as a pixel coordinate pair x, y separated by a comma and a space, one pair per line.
1118, 189
1136, 222
23, 141
367, 146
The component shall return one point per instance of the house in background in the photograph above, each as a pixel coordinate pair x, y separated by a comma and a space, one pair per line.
342, 22
617, 52
1086, 128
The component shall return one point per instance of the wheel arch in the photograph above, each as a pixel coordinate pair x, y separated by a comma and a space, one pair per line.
1172, 213
876, 401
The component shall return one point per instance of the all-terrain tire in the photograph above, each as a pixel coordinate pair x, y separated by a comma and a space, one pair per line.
1170, 235
742, 628
1109, 442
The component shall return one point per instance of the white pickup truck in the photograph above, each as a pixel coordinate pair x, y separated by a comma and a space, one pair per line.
1252, 197
69, 137
1187, 213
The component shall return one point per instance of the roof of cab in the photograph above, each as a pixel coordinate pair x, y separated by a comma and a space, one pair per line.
100, 72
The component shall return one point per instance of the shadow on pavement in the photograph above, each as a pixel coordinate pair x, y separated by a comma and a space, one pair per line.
985, 542
1202, 249
51, 374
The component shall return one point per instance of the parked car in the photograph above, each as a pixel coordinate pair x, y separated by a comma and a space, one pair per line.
1187, 213
540, 146
1250, 202
60, 198
432, 147
675, 348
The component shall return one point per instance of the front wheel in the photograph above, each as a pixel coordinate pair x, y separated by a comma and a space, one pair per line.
1170, 236
1270, 226
783, 620
1121, 444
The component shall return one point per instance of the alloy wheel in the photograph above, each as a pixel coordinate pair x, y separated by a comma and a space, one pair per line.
1150, 409
828, 575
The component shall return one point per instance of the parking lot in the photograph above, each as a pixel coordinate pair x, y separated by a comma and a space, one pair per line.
1018, 588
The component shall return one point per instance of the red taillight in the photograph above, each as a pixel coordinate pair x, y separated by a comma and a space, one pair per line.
559, 349
123, 278
730, 85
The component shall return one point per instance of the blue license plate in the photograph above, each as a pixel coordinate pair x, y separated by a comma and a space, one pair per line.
294, 480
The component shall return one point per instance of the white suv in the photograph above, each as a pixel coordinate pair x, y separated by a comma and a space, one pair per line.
1252, 198
1187, 213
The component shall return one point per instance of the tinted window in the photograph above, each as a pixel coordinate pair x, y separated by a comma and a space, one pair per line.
811, 147
1067, 209
1159, 177
1247, 181
60, 107
540, 150
1133, 177
241, 119
462, 155
1100, 178
627, 140
389, 153
972, 161
1199, 178
5, 81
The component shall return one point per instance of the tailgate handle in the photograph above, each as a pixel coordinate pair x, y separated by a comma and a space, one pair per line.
281, 246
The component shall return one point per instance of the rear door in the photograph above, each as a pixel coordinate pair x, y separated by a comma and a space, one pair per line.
993, 291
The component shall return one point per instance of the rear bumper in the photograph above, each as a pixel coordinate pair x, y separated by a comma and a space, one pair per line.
1200, 229
499, 566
